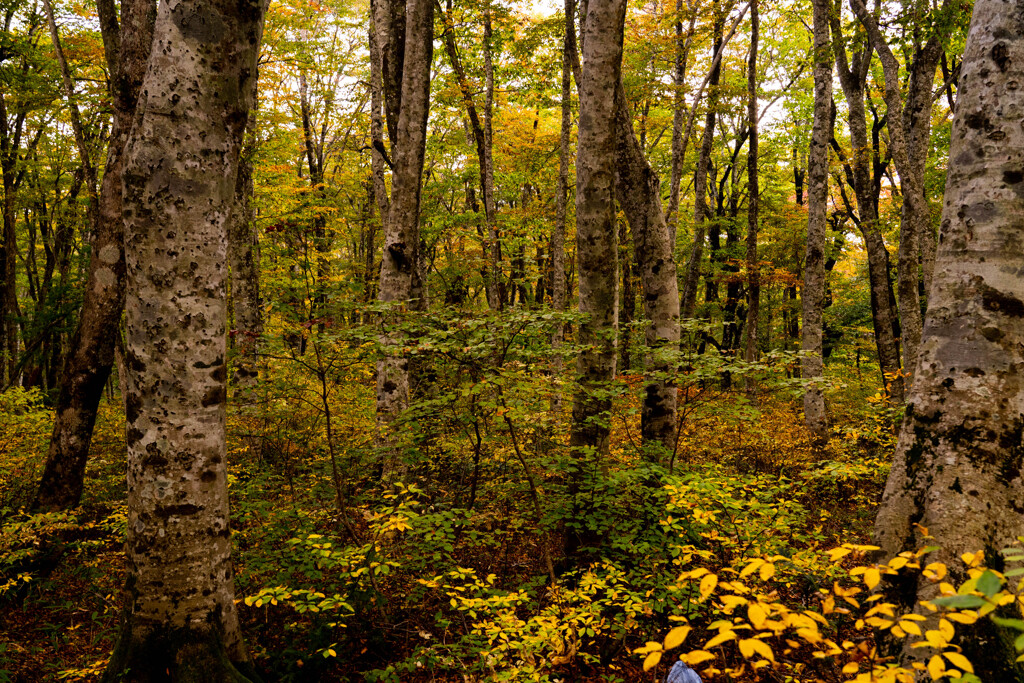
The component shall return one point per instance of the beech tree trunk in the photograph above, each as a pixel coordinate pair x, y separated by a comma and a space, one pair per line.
639, 193
853, 74
638, 190
180, 171
958, 469
595, 222
91, 351
908, 143
399, 269
811, 365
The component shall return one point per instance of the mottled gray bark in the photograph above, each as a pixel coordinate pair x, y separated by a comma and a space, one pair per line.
958, 469
91, 350
638, 190
380, 189
813, 296
399, 270
908, 142
853, 74
595, 222
180, 170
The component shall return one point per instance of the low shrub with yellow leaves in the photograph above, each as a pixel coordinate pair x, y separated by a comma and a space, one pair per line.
840, 638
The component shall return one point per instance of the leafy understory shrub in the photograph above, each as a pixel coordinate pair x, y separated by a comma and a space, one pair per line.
843, 635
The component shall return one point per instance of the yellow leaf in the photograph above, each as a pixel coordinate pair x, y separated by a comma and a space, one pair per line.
651, 646
751, 568
731, 602
719, 639
946, 629
910, 627
936, 667
767, 571
968, 617
750, 646
851, 668
972, 559
676, 637
707, 585
837, 554
898, 563
696, 657
960, 661
652, 660
935, 639
871, 577
757, 615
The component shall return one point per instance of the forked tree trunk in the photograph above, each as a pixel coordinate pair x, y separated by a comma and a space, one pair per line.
91, 351
958, 469
853, 75
179, 181
908, 133
639, 193
399, 269
811, 365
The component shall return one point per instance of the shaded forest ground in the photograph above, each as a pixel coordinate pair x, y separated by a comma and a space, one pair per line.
447, 579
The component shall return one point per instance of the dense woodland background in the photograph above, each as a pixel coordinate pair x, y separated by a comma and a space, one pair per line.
628, 356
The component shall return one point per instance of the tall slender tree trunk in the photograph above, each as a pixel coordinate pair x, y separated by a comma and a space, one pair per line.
180, 169
243, 255
701, 211
380, 190
484, 149
497, 294
10, 142
812, 366
908, 132
853, 76
91, 350
753, 201
595, 238
678, 114
399, 270
958, 469
559, 298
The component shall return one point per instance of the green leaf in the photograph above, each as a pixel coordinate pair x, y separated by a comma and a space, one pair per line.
1017, 624
960, 601
989, 583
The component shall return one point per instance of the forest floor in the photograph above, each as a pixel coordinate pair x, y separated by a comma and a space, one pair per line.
446, 579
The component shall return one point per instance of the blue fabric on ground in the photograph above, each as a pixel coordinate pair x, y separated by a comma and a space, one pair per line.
681, 673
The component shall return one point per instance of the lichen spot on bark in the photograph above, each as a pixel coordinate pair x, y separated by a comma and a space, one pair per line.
110, 254
105, 277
